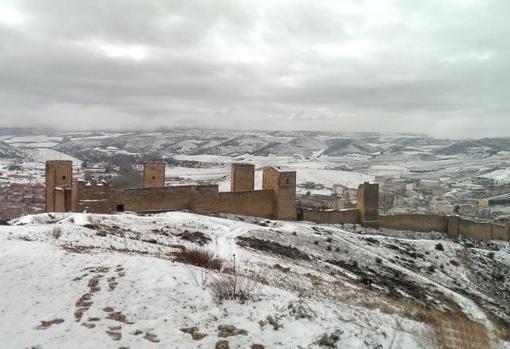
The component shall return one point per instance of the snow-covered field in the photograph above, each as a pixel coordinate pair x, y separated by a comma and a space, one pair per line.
112, 281
500, 175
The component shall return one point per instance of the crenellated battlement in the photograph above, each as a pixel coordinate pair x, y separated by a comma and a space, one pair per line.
64, 162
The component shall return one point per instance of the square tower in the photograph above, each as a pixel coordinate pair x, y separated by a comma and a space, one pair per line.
154, 174
242, 177
368, 203
283, 183
59, 181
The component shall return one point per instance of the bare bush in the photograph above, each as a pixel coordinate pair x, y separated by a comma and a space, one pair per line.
57, 232
199, 277
329, 339
200, 258
228, 287
274, 321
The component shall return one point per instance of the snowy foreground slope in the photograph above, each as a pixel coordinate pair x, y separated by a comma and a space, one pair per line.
113, 281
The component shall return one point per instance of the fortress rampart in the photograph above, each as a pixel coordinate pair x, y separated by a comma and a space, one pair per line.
276, 200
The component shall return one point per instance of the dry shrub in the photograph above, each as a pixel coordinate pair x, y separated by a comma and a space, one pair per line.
200, 277
329, 339
57, 232
200, 258
226, 287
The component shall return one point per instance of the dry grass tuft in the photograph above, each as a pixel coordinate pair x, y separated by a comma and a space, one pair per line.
228, 287
200, 258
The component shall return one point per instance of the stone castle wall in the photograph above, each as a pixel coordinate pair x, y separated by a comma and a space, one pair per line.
368, 203
59, 176
154, 174
242, 177
92, 197
453, 226
332, 216
283, 183
258, 203
62, 199
277, 200
163, 199
414, 222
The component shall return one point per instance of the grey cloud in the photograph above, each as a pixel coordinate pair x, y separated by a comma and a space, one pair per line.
412, 66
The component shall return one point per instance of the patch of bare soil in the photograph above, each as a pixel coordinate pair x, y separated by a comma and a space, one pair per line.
151, 337
230, 330
118, 316
77, 249
389, 281
194, 332
271, 247
112, 283
93, 284
78, 313
195, 237
47, 324
116, 336
84, 303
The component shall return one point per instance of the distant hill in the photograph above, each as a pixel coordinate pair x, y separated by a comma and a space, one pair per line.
9, 152
344, 146
485, 145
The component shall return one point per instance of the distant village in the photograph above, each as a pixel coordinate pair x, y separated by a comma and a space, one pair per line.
401, 195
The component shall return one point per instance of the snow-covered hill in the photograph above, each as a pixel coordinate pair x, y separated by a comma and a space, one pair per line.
112, 281
10, 152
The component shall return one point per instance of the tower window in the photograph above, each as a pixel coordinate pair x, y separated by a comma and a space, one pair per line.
63, 177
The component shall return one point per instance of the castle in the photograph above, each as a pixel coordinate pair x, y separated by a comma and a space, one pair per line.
276, 200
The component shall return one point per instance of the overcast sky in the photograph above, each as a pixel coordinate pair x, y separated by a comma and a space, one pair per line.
433, 66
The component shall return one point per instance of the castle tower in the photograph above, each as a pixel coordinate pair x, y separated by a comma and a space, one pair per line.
368, 203
283, 183
59, 181
154, 174
242, 177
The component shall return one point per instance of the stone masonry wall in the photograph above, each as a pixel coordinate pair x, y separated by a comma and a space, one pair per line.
414, 222
154, 174
332, 216
59, 174
242, 177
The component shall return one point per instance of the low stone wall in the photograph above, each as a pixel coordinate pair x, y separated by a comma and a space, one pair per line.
483, 231
415, 222
332, 216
